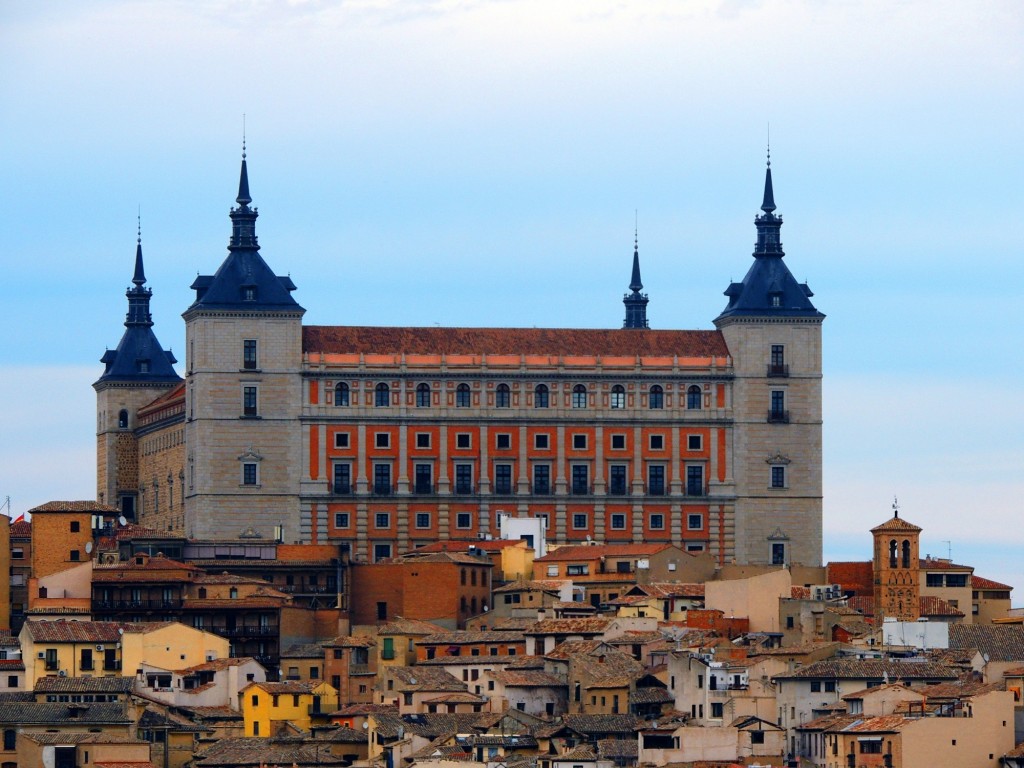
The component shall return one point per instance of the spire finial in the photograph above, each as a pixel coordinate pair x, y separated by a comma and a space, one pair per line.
243, 198
139, 278
895, 507
769, 144
243, 135
768, 203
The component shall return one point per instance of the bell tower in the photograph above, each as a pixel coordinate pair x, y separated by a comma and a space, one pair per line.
897, 569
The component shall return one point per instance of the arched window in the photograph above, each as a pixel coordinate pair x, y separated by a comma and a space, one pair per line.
122, 419
422, 396
579, 396
462, 396
656, 399
693, 398
618, 396
906, 553
382, 395
540, 396
341, 394
893, 554
502, 396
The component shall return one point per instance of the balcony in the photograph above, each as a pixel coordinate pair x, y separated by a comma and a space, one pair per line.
381, 489
243, 631
776, 416
465, 489
424, 489
502, 489
541, 489
582, 489
696, 489
777, 370
359, 669
51, 666
137, 605
111, 666
86, 666
655, 489
341, 489
308, 589
616, 488
316, 710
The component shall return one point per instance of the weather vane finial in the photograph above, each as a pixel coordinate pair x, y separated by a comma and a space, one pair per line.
139, 239
636, 229
895, 507
769, 144
243, 135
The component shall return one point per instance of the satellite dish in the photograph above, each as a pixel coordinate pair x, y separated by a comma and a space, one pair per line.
365, 725
412, 680
88, 547
122, 520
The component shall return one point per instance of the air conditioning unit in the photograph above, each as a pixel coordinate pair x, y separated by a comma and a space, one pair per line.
62, 673
99, 648
41, 655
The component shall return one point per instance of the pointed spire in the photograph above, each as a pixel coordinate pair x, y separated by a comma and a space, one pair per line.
768, 205
635, 284
243, 179
139, 278
636, 302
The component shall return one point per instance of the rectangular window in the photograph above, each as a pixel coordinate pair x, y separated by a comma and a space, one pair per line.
580, 521
503, 478
382, 519
830, 686
618, 522
503, 441
382, 440
933, 580
579, 442
464, 520
618, 442
778, 477
541, 479
956, 579
463, 478
422, 519
778, 550
341, 440
382, 479
657, 442
343, 478
778, 409
341, 519
617, 480
422, 439
249, 354
656, 480
249, 404
815, 686
381, 552
424, 474
717, 708
695, 522
75, 526
580, 479
249, 474
541, 442
695, 480
657, 522
463, 440
577, 570
693, 442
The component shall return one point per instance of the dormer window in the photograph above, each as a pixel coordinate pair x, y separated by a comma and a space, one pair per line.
776, 299
249, 293
142, 366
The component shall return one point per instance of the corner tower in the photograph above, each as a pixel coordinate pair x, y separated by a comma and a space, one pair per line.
636, 302
773, 332
135, 373
243, 393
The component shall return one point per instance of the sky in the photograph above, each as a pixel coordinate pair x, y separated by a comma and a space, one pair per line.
471, 163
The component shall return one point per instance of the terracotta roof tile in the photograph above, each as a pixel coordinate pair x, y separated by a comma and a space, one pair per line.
21, 530
896, 524
62, 631
1002, 642
977, 582
584, 626
595, 551
855, 669
526, 678
75, 506
108, 684
466, 637
507, 341
856, 576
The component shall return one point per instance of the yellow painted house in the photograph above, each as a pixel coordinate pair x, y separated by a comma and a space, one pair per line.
303, 704
107, 648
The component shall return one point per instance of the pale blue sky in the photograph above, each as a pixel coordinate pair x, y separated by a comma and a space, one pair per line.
479, 163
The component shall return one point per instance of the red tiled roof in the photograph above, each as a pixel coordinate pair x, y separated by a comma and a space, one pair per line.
594, 551
856, 576
505, 341
21, 530
895, 524
978, 582
75, 506
939, 564
62, 631
175, 393
485, 545
927, 606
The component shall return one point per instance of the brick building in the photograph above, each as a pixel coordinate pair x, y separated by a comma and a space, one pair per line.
383, 439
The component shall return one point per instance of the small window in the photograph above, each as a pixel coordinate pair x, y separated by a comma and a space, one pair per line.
541, 397
382, 395
250, 473
618, 396
502, 396
694, 398
341, 439
503, 441
341, 395
249, 401
463, 440
656, 398
122, 419
462, 396
694, 443
580, 521
382, 519
74, 556
249, 354
695, 522
423, 396
778, 553
249, 293
463, 520
657, 521
382, 439
579, 442
657, 442
579, 396
381, 552
618, 522
422, 439
75, 526
618, 442
341, 520
778, 477
422, 519
541, 442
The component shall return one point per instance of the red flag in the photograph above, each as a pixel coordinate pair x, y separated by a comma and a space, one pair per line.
19, 519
